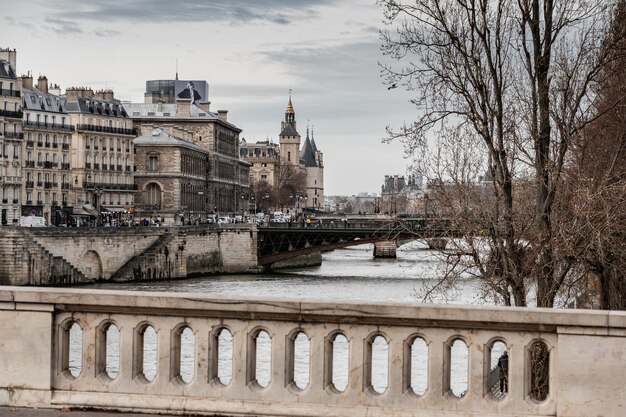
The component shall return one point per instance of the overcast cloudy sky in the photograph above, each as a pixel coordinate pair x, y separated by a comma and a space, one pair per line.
250, 52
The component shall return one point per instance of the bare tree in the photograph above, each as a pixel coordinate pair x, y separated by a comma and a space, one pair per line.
511, 79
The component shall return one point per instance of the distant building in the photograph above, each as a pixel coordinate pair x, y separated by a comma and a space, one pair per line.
11, 138
402, 196
267, 160
227, 178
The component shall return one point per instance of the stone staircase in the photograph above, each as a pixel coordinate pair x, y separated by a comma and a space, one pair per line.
152, 264
27, 259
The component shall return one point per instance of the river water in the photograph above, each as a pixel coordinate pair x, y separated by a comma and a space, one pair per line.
347, 274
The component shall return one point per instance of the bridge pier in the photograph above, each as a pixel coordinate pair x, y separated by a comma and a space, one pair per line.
385, 249
437, 243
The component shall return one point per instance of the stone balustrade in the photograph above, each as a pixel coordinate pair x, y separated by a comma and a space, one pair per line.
277, 357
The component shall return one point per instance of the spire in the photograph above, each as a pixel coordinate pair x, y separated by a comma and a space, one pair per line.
176, 69
289, 105
290, 114
313, 145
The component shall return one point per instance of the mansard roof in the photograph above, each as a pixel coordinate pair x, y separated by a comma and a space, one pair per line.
160, 138
94, 105
151, 110
36, 99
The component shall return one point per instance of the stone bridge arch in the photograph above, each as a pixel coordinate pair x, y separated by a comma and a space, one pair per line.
91, 265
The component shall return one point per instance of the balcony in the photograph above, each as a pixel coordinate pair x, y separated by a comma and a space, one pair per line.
66, 146
12, 114
14, 135
107, 129
29, 202
65, 185
119, 149
39, 202
105, 186
40, 144
16, 157
127, 167
30, 143
96, 166
30, 164
39, 184
47, 144
55, 145
29, 184
47, 185
9, 93
39, 164
88, 165
65, 165
47, 165
104, 148
95, 147
119, 167
5, 200
48, 126
55, 203
15, 201
104, 167
11, 180
112, 167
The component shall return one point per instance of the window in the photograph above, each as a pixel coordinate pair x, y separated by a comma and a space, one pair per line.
153, 195
153, 163
289, 156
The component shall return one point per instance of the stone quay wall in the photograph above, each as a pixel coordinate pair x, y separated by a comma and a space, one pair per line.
583, 360
57, 256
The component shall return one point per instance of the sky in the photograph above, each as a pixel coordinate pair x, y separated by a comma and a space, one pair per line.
251, 52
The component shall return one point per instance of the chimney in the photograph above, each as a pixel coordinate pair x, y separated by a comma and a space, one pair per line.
27, 82
42, 84
54, 89
100, 94
223, 115
204, 105
159, 106
108, 95
183, 107
72, 93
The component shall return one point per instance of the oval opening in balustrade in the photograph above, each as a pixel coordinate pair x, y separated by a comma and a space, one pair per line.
112, 351
459, 368
149, 363
225, 356
539, 357
498, 383
419, 366
379, 362
263, 359
339, 376
187, 363
75, 346
301, 360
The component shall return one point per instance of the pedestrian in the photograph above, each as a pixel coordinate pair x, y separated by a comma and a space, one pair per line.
307, 223
503, 364
319, 223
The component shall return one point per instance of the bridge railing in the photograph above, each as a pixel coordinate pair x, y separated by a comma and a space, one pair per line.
197, 354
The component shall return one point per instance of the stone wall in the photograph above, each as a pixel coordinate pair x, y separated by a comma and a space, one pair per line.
586, 360
33, 256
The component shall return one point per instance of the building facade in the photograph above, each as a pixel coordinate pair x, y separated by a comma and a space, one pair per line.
102, 157
11, 138
227, 182
46, 168
172, 176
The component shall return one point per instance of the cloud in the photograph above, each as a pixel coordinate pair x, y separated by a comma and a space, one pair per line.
242, 11
105, 33
61, 26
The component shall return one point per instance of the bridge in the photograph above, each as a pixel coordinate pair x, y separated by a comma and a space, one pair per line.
195, 354
279, 241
